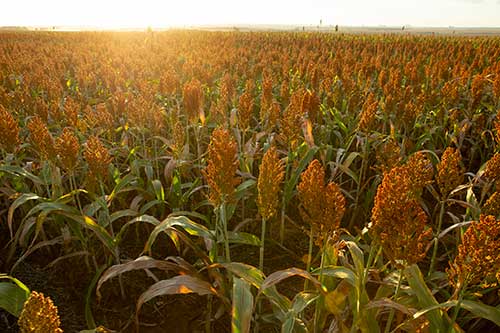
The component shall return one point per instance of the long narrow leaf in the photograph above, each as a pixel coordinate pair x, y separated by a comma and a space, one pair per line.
294, 179
478, 309
243, 238
339, 272
13, 295
21, 200
18, 171
180, 284
281, 275
255, 277
425, 297
140, 263
189, 226
242, 307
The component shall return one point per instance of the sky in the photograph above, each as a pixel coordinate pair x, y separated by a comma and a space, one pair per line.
166, 13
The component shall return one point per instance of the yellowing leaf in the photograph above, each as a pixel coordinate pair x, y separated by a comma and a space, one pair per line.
89, 221
335, 300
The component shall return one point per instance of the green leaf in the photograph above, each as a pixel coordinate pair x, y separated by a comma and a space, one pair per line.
243, 238
293, 324
340, 272
348, 172
472, 201
357, 256
17, 282
302, 300
243, 187
242, 306
350, 158
89, 317
279, 276
21, 200
192, 228
482, 310
255, 277
176, 185
294, 179
150, 205
425, 298
202, 217
143, 218
123, 186
143, 262
122, 213
180, 284
340, 123
100, 232
18, 171
12, 297
159, 191
249, 273
44, 209
50, 207
478, 309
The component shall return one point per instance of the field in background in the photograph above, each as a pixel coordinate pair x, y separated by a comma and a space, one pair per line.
458, 31
266, 181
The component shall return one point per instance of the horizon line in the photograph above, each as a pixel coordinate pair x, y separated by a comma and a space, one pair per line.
238, 25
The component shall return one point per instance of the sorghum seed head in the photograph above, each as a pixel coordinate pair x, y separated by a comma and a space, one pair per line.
97, 157
322, 206
271, 174
67, 148
492, 205
398, 222
39, 315
71, 111
492, 169
222, 166
449, 171
368, 114
9, 131
41, 138
245, 110
193, 99
478, 260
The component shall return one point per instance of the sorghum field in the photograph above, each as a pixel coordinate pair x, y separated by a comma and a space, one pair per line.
191, 181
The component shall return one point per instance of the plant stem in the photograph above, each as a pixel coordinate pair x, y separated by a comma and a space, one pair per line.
144, 152
436, 240
261, 267
309, 258
457, 308
371, 257
46, 180
223, 220
360, 179
283, 204
262, 241
157, 163
391, 314
197, 137
320, 300
72, 182
242, 150
282, 223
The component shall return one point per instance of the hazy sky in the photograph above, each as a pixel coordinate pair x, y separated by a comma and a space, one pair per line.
143, 13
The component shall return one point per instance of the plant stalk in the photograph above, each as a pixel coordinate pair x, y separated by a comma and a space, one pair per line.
391, 314
283, 204
436, 240
309, 258
262, 241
